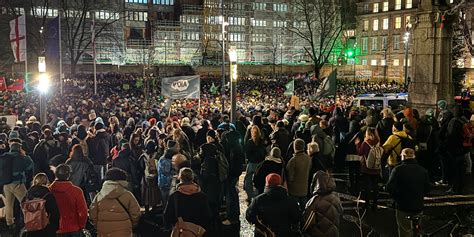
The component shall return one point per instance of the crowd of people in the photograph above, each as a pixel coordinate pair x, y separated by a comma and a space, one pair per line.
97, 161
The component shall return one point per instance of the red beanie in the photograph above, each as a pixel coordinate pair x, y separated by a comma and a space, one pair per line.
152, 122
273, 180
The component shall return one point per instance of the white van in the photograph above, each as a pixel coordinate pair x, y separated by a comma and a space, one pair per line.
394, 101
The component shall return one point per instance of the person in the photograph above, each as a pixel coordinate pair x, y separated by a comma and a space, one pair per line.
165, 170
298, 169
114, 210
408, 184
316, 162
125, 162
15, 187
280, 137
348, 146
151, 196
188, 202
325, 207
393, 145
71, 203
456, 151
254, 153
370, 177
99, 147
82, 171
274, 209
39, 190
272, 164
43, 152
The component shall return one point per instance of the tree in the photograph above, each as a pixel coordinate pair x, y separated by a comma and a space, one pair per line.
319, 24
461, 50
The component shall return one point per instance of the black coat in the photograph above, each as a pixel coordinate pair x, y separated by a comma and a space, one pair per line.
99, 147
265, 168
454, 137
281, 139
408, 184
189, 131
255, 153
125, 162
384, 128
51, 208
83, 174
276, 210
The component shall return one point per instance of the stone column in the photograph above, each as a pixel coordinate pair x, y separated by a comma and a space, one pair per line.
431, 70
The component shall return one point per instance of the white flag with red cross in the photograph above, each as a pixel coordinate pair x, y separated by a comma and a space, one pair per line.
18, 38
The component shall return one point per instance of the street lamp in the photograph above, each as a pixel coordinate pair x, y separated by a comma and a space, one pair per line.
43, 88
281, 59
406, 39
166, 61
233, 84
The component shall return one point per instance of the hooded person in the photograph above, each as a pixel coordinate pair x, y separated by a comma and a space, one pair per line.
324, 210
272, 164
188, 202
114, 210
273, 209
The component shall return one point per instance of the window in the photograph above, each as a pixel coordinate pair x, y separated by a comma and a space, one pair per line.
259, 22
159, 2
260, 6
408, 4
407, 21
375, 26
259, 37
398, 4
214, 20
299, 24
385, 23
373, 62
384, 42
398, 22
396, 42
374, 45
42, 11
137, 1
404, 61
366, 8
279, 24
236, 37
236, 21
364, 62
280, 7
106, 15
365, 43
135, 16
385, 7
383, 62
375, 8
366, 25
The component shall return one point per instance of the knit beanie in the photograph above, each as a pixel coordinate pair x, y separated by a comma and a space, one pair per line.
298, 145
272, 180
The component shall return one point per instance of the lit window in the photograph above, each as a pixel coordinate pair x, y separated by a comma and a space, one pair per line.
408, 4
396, 62
376, 8
280, 7
373, 62
375, 25
398, 4
366, 25
261, 6
382, 62
398, 22
158, 2
385, 24
385, 7
407, 21
365, 43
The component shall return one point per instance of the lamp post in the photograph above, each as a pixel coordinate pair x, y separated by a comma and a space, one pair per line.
166, 53
281, 60
233, 79
43, 87
406, 39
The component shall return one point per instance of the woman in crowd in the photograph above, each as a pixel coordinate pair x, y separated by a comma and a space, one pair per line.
83, 174
255, 152
370, 177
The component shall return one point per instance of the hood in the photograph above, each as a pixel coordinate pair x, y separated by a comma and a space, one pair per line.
276, 192
131, 123
37, 191
189, 189
322, 183
113, 189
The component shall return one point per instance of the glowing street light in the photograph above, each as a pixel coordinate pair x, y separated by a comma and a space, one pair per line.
233, 79
406, 39
43, 88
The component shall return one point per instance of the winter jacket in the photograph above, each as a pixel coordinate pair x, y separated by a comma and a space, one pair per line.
281, 139
82, 171
325, 205
384, 128
298, 172
255, 153
42, 153
165, 170
454, 137
393, 147
276, 210
234, 152
83, 144
21, 165
265, 168
51, 208
72, 206
363, 150
125, 162
408, 184
190, 134
114, 210
99, 147
190, 204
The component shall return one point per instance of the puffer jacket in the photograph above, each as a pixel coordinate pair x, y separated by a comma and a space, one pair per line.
298, 172
109, 216
325, 205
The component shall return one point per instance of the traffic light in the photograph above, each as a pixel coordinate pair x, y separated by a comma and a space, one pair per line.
350, 53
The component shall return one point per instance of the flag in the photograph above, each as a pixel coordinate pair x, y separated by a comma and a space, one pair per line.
182, 87
28, 84
328, 87
139, 83
290, 88
3, 84
214, 89
18, 38
52, 45
17, 85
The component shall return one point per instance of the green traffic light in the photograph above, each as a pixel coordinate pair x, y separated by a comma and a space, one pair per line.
350, 54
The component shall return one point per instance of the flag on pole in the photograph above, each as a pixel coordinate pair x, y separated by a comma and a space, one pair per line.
214, 89
290, 88
52, 46
328, 87
18, 38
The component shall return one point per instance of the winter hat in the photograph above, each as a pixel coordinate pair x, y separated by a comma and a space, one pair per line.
115, 174
275, 153
15, 147
272, 180
429, 112
303, 118
99, 120
185, 122
99, 126
298, 145
152, 122
212, 133
31, 120
122, 142
14, 135
3, 137
280, 124
19, 123
150, 146
442, 104
171, 144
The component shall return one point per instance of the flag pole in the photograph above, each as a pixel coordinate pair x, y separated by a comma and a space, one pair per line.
60, 55
93, 48
26, 53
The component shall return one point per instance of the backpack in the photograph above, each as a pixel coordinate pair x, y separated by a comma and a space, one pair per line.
6, 166
329, 149
374, 158
407, 142
35, 215
222, 166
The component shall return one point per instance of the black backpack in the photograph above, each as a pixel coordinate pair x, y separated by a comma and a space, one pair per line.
406, 142
6, 167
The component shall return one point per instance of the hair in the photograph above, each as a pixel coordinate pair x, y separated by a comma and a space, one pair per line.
63, 172
313, 147
387, 113
40, 179
116, 174
186, 175
372, 134
76, 152
258, 135
323, 124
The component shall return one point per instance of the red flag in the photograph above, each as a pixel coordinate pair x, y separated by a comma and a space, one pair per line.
17, 85
3, 84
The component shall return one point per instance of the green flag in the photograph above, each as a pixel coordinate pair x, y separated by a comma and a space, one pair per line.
214, 89
126, 87
139, 83
290, 88
328, 87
